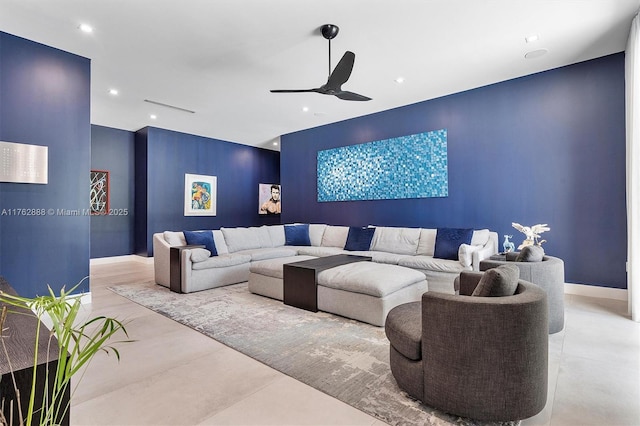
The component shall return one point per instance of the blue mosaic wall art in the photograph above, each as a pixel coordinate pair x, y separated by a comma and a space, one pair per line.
413, 166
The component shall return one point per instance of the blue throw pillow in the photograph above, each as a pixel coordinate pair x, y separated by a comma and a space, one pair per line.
359, 238
199, 238
297, 235
448, 242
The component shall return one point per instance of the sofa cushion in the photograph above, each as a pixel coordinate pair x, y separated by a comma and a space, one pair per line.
222, 261
297, 235
374, 279
276, 233
319, 251
396, 240
200, 255
246, 238
269, 253
201, 238
530, 254
316, 231
403, 328
427, 243
448, 242
498, 282
335, 236
429, 263
273, 267
221, 245
381, 256
174, 238
480, 237
359, 238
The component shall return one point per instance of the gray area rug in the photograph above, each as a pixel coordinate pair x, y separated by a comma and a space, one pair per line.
346, 359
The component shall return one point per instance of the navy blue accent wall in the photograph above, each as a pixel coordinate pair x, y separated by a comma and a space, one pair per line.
545, 148
113, 150
169, 155
44, 98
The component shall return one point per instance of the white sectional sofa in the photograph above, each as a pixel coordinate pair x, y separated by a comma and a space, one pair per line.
238, 247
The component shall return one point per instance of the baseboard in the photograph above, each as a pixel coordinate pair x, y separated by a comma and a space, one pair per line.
596, 291
117, 259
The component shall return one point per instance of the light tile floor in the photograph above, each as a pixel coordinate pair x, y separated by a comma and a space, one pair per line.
173, 375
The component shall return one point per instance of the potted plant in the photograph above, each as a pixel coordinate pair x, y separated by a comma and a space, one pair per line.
77, 343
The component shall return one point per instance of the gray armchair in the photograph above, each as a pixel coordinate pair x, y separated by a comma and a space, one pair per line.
485, 358
547, 274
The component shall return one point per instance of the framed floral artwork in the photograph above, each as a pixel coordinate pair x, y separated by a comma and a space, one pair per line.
200, 195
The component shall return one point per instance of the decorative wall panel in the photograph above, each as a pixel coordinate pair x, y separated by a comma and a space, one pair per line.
413, 166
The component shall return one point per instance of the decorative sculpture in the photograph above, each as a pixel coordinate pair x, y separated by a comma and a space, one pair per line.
532, 233
508, 246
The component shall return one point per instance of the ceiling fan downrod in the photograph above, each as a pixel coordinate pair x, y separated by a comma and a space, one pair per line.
329, 31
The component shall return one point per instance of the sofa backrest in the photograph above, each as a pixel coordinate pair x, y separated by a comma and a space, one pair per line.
176, 238
246, 238
396, 240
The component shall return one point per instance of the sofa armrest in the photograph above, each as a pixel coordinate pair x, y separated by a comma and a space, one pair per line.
489, 249
161, 260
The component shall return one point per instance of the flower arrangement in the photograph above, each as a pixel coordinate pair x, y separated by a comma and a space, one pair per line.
532, 233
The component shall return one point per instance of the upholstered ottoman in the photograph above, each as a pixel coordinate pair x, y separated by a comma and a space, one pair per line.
367, 291
265, 276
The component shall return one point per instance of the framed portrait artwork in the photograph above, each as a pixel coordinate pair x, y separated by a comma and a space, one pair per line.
269, 198
200, 195
99, 192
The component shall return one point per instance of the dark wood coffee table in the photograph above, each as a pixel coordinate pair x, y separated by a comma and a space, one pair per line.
300, 284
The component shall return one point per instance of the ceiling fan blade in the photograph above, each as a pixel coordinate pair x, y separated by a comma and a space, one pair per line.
350, 96
294, 91
341, 72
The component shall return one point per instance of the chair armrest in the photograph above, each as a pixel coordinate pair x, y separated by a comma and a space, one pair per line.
468, 281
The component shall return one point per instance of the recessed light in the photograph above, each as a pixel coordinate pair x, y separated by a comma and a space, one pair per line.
113, 91
86, 28
535, 53
532, 38
305, 109
153, 116
399, 80
275, 144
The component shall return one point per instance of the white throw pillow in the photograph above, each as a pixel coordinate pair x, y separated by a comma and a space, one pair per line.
335, 236
316, 231
427, 244
174, 238
465, 254
480, 237
200, 255
221, 245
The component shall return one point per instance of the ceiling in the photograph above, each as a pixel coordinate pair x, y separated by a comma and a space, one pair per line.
220, 58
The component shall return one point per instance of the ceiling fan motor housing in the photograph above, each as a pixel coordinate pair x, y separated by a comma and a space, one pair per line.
329, 31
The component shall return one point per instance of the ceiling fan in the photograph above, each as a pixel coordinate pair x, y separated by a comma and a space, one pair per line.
338, 77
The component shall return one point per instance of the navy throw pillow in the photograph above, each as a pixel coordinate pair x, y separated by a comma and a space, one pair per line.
297, 235
359, 238
199, 238
448, 242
